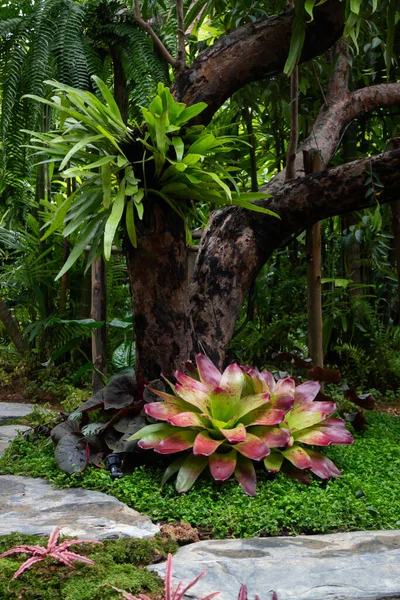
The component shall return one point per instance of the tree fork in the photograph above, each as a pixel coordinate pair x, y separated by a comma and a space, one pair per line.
238, 242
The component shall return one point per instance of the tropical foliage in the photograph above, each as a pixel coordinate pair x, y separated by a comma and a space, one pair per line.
96, 144
230, 419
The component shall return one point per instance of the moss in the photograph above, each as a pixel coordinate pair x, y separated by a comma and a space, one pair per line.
363, 498
119, 563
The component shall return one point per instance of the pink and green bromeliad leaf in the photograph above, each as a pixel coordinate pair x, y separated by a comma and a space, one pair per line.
242, 415
58, 552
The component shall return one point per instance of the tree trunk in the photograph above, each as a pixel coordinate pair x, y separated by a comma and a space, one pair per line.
395, 206
99, 313
12, 328
159, 288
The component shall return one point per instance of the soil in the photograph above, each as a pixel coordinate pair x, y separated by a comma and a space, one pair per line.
391, 409
15, 392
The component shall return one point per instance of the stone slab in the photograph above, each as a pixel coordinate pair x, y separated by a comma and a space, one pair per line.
8, 433
13, 410
34, 507
344, 566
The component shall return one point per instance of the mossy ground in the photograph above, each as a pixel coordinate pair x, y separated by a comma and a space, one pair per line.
365, 497
119, 563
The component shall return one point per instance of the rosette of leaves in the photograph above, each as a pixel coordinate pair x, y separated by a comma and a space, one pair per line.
229, 420
119, 168
308, 422
222, 420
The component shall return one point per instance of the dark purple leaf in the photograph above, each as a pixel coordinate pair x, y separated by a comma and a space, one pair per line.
94, 402
365, 401
124, 444
358, 420
294, 359
70, 453
191, 370
321, 397
64, 428
149, 396
129, 422
120, 392
327, 375
111, 437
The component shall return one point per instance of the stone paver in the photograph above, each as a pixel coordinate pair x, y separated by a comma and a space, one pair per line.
344, 566
13, 410
8, 433
33, 506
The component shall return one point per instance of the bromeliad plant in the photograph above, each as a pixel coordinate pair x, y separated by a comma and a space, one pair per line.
59, 552
229, 420
119, 169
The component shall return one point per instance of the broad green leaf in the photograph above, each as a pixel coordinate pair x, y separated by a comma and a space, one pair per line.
107, 95
204, 144
81, 144
355, 6
172, 469
296, 44
148, 429
309, 7
139, 209
223, 185
59, 216
114, 219
190, 470
179, 147
237, 200
191, 112
83, 240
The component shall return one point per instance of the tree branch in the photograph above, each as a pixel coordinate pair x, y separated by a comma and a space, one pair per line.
253, 52
157, 42
237, 242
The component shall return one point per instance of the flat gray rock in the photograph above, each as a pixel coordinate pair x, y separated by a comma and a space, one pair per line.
344, 566
33, 506
8, 433
13, 410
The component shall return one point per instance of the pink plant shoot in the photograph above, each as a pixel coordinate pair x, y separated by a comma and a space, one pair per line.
228, 420
169, 592
59, 553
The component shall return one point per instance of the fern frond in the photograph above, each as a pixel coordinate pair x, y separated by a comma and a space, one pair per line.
71, 63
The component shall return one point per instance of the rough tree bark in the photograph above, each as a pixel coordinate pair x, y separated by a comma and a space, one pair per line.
99, 313
253, 52
238, 242
159, 287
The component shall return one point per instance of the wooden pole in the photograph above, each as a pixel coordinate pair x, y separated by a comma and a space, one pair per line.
99, 313
312, 164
